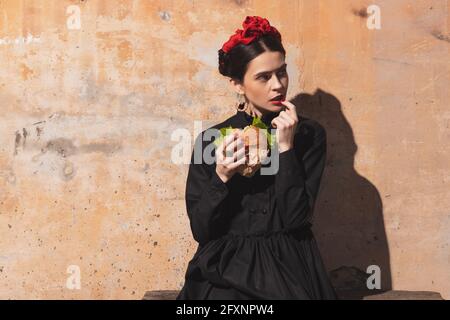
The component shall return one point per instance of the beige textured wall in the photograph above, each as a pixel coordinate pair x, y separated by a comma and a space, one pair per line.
87, 110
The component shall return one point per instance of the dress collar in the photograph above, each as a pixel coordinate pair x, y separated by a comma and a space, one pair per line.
248, 119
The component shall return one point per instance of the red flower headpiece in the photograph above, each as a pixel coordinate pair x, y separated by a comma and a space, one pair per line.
254, 27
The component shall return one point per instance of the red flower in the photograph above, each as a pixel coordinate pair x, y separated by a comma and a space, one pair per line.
254, 27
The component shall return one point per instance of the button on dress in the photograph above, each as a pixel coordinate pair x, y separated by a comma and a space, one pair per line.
254, 234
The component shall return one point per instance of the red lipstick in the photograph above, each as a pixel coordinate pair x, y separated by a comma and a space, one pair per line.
277, 101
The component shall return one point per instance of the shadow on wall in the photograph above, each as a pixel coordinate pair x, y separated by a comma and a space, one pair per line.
348, 218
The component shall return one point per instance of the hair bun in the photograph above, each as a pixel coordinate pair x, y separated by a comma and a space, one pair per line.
223, 62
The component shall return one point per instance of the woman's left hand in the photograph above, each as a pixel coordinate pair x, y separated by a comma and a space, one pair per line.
286, 125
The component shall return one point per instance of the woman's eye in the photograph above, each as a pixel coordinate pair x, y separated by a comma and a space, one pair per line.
281, 73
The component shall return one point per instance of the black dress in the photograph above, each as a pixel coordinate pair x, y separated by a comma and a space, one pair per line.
254, 234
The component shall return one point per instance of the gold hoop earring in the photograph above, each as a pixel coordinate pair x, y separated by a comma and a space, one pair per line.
241, 105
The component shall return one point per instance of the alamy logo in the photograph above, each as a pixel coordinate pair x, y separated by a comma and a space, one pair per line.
374, 280
374, 18
74, 280
74, 19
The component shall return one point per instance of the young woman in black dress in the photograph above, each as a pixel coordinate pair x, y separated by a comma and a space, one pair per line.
254, 233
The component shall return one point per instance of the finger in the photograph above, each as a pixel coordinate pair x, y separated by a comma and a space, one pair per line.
230, 138
284, 122
234, 146
236, 164
226, 142
221, 145
219, 152
279, 124
219, 157
288, 118
237, 157
291, 109
227, 139
274, 122
239, 142
239, 154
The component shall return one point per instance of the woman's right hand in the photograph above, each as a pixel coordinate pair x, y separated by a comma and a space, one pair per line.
228, 159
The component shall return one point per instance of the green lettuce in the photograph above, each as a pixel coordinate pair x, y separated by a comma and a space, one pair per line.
257, 122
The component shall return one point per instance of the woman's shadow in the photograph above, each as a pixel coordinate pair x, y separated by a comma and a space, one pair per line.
348, 219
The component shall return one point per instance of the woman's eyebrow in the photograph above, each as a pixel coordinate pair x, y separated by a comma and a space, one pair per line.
264, 72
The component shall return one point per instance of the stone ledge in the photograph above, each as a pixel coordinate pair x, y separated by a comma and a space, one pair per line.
161, 295
405, 295
343, 295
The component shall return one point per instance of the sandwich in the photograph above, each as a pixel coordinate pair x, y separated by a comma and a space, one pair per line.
257, 140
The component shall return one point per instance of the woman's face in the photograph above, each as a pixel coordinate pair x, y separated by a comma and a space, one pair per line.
266, 78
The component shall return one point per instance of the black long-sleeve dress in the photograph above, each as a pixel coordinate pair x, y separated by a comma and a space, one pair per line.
254, 234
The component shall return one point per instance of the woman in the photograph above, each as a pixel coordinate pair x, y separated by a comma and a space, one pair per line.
254, 233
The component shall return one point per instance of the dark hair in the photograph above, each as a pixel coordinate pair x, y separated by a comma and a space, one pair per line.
234, 63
